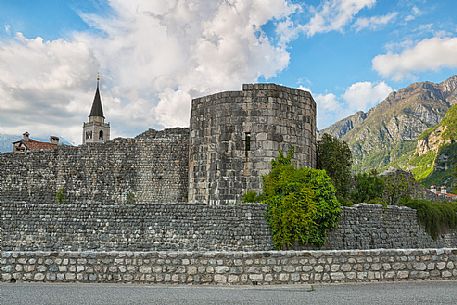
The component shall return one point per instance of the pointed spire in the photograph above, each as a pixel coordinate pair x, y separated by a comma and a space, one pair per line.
97, 109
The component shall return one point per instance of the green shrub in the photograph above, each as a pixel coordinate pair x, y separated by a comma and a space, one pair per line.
367, 186
302, 205
436, 217
251, 197
377, 200
60, 196
335, 157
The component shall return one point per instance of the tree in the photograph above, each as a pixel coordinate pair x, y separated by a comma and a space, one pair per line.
335, 157
367, 187
302, 205
398, 185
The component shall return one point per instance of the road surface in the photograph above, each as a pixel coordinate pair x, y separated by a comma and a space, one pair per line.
403, 293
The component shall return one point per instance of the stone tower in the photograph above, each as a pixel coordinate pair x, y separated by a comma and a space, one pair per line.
96, 130
236, 134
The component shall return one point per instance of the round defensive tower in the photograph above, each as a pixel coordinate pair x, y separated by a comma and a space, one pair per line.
236, 134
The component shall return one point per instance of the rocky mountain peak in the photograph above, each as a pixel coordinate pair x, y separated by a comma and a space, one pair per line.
390, 130
449, 84
342, 127
449, 88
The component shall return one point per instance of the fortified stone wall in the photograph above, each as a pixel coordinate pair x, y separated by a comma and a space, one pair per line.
139, 227
248, 268
185, 227
150, 168
235, 135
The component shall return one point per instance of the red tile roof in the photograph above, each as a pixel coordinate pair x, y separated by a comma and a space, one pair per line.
33, 145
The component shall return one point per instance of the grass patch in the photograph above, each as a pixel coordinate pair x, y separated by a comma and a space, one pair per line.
423, 165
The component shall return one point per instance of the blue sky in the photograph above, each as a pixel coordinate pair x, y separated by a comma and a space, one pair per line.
155, 56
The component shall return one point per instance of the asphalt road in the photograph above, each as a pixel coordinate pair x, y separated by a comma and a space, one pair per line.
410, 293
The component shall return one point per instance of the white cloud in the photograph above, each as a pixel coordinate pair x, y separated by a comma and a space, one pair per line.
7, 29
331, 15
328, 101
373, 22
415, 12
328, 109
44, 86
427, 55
335, 15
364, 95
360, 96
154, 56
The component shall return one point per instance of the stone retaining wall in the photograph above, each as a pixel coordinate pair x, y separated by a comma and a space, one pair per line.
194, 227
273, 267
138, 227
369, 226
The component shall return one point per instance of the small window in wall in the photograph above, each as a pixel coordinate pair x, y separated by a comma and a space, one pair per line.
101, 135
247, 142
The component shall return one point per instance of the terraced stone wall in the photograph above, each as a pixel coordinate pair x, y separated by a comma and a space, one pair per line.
138, 227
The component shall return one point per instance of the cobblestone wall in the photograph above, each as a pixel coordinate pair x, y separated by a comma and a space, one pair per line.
150, 168
224, 268
368, 226
139, 227
235, 135
146, 227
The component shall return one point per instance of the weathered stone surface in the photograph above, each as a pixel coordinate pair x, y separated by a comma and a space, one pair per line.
151, 168
235, 135
198, 227
368, 226
139, 227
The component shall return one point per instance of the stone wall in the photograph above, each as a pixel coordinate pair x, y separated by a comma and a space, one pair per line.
150, 168
185, 227
139, 227
368, 226
274, 267
235, 135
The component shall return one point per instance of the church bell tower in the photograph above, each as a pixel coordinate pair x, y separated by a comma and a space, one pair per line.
96, 130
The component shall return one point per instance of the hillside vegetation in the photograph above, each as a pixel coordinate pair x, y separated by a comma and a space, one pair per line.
388, 133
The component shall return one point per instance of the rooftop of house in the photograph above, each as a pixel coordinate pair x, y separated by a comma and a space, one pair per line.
33, 145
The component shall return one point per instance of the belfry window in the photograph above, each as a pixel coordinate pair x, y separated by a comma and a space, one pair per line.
88, 135
101, 135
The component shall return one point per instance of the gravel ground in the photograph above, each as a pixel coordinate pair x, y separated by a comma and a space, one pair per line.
404, 293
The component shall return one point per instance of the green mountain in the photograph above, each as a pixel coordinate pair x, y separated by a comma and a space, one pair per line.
434, 161
389, 132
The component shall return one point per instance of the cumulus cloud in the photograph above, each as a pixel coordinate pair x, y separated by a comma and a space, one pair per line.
364, 95
154, 56
373, 22
328, 109
331, 15
427, 55
43, 84
335, 14
360, 96
415, 12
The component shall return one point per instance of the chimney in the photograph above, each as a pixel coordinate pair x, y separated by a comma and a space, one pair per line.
54, 140
25, 136
443, 190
